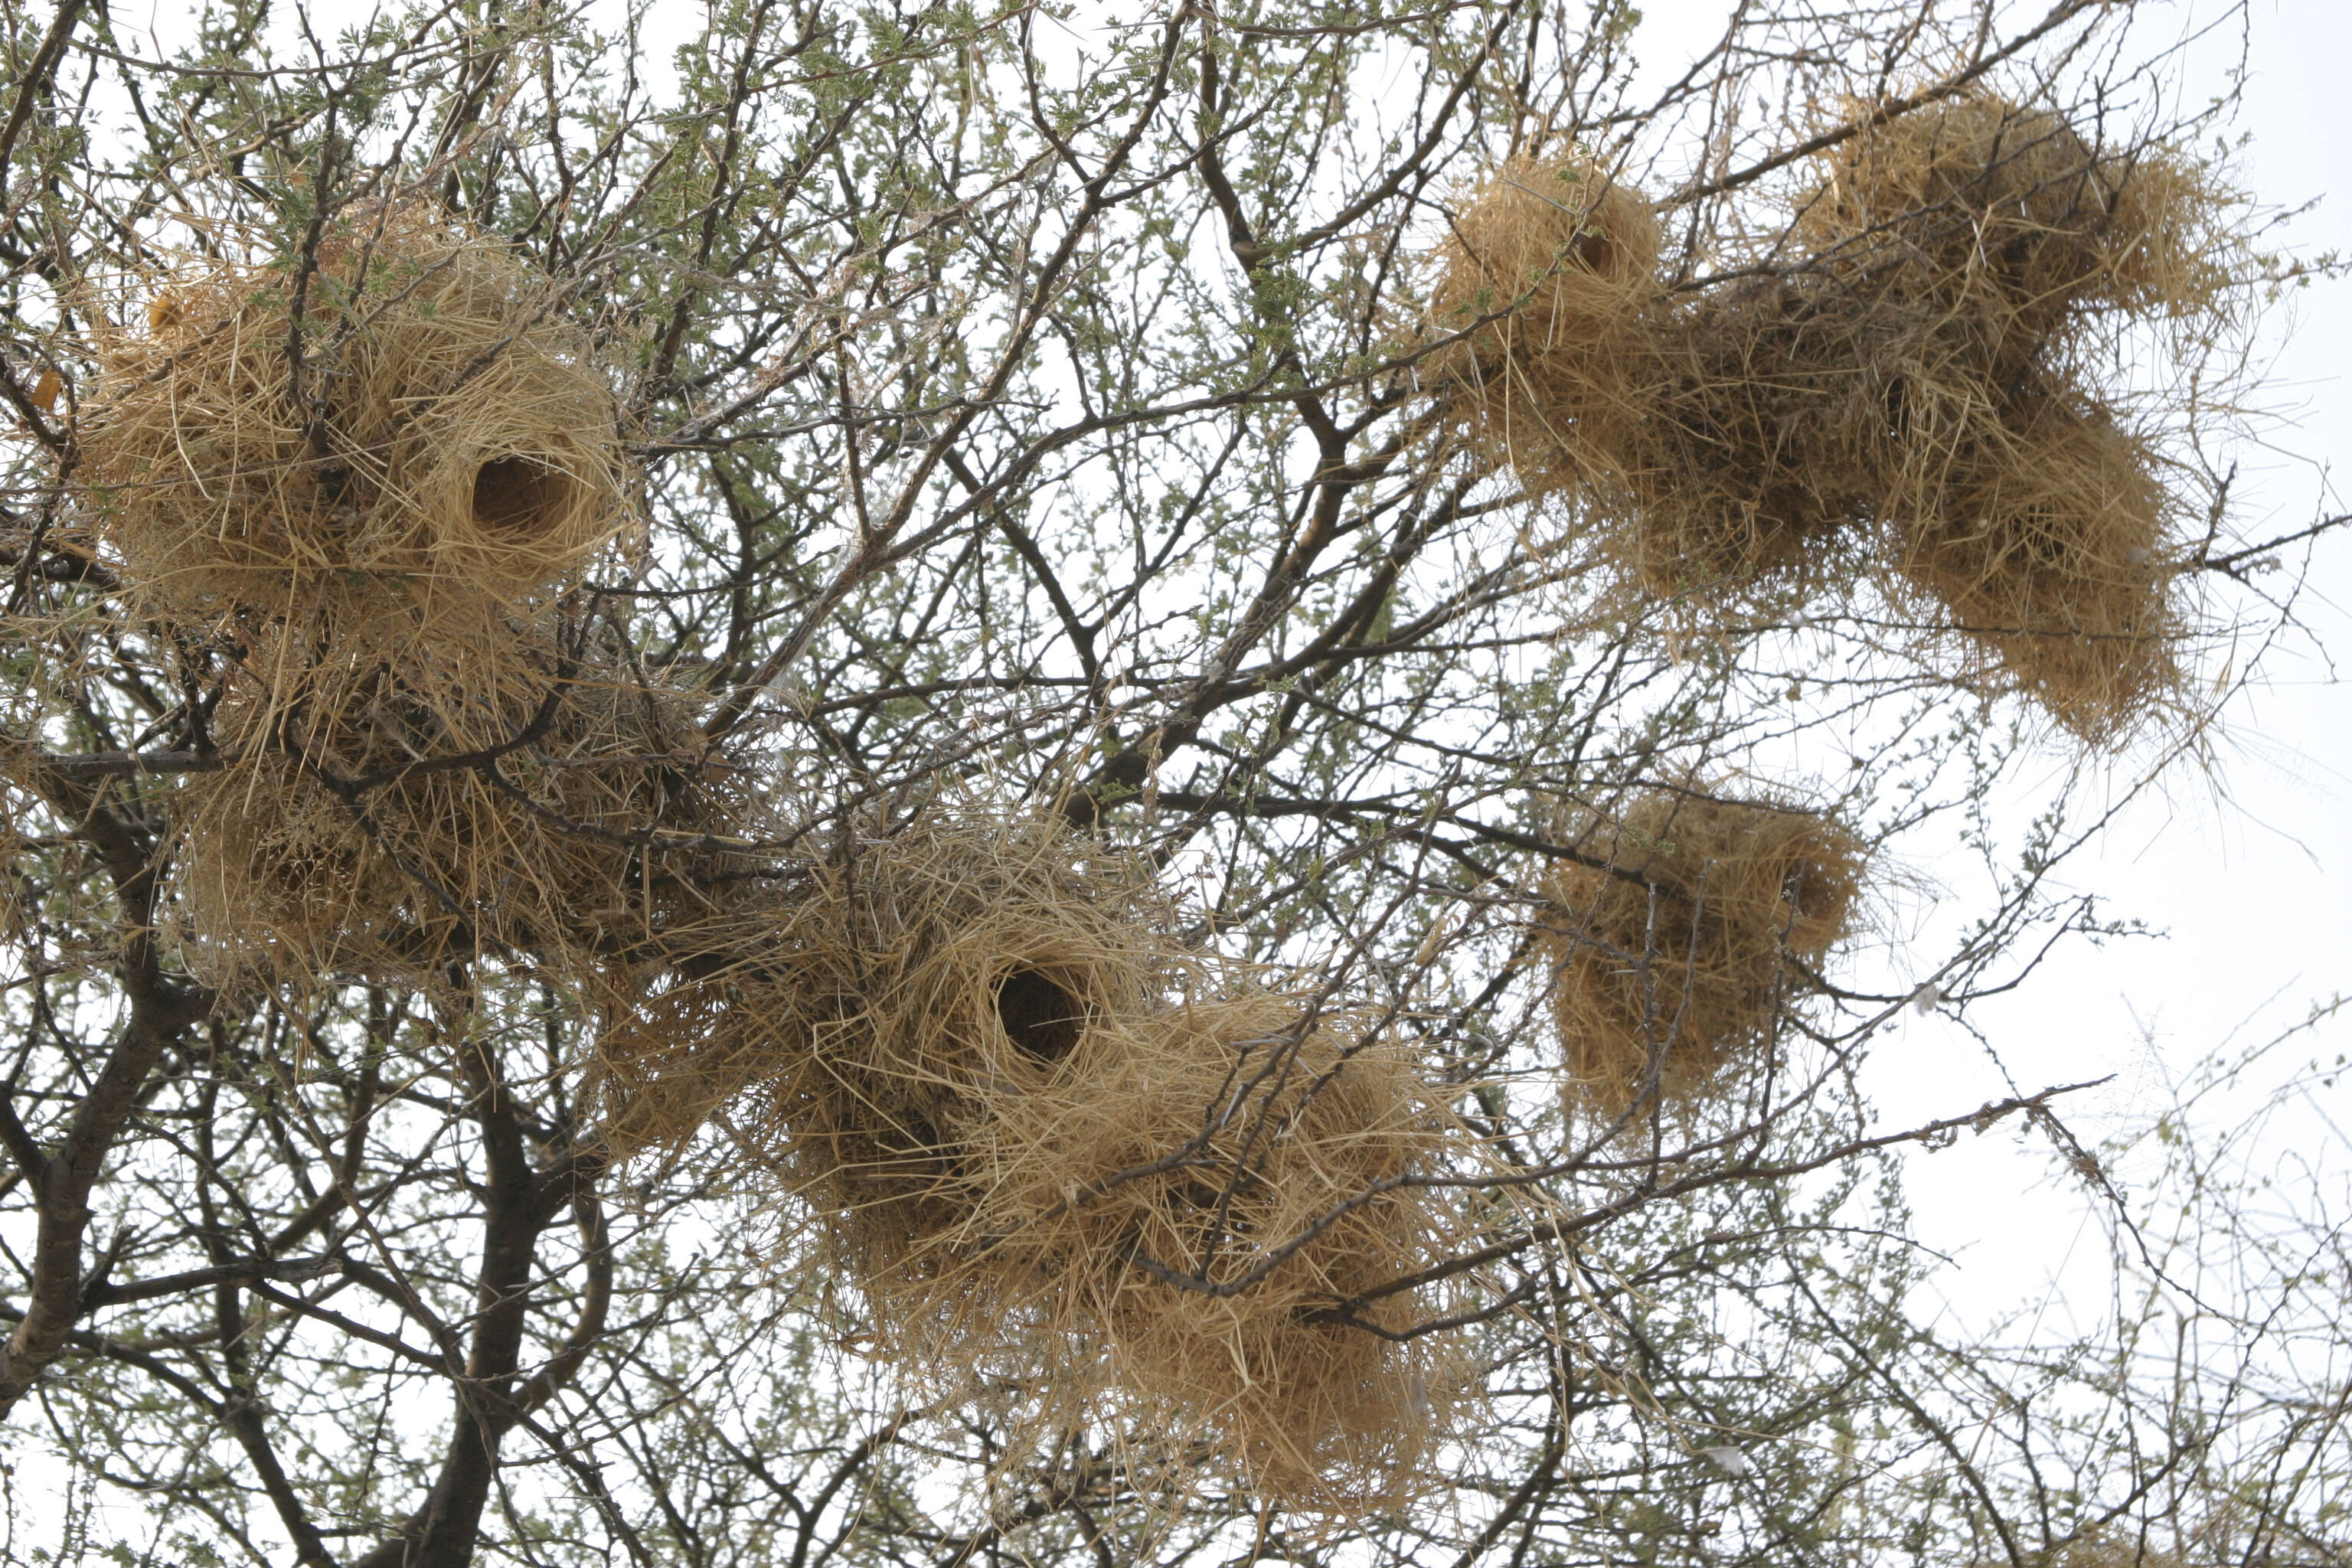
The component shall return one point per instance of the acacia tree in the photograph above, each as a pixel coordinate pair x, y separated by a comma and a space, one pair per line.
1047, 406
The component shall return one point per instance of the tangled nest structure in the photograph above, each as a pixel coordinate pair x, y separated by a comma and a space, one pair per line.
1672, 945
395, 803
1904, 399
360, 487
411, 412
1054, 1150
1060, 1156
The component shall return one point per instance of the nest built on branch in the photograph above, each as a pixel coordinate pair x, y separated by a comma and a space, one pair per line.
1062, 1162
1062, 1158
1551, 272
2016, 221
382, 812
1893, 389
1999, 247
1752, 467
1671, 953
1700, 437
2048, 556
410, 411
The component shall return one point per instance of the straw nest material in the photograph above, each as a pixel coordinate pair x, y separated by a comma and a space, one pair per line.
1985, 240
2014, 220
1550, 270
2046, 552
1670, 955
1891, 389
1699, 436
384, 812
447, 424
1060, 1159
1754, 463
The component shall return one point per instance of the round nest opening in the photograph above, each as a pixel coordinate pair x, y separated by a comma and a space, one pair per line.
1040, 1015
518, 497
1672, 949
448, 428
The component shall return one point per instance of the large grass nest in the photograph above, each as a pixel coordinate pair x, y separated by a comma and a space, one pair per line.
1548, 280
2016, 221
1891, 390
1700, 436
2018, 515
449, 427
385, 812
1673, 949
1064, 1163
1759, 454
2046, 552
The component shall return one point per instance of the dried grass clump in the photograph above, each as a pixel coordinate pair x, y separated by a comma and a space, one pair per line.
1753, 464
449, 431
969, 1049
384, 813
1551, 271
853, 1023
1985, 239
920, 974
1235, 1144
1889, 404
2046, 552
2016, 221
1670, 960
1692, 432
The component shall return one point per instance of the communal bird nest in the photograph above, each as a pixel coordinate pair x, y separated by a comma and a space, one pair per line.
1673, 944
2048, 556
1549, 276
1986, 243
384, 812
1753, 464
407, 410
1889, 385
1700, 436
2016, 222
1059, 1157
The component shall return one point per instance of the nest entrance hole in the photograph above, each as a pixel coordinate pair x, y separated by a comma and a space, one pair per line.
518, 495
1039, 1015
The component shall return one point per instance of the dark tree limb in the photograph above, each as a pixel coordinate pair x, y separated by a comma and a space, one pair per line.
161, 1010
